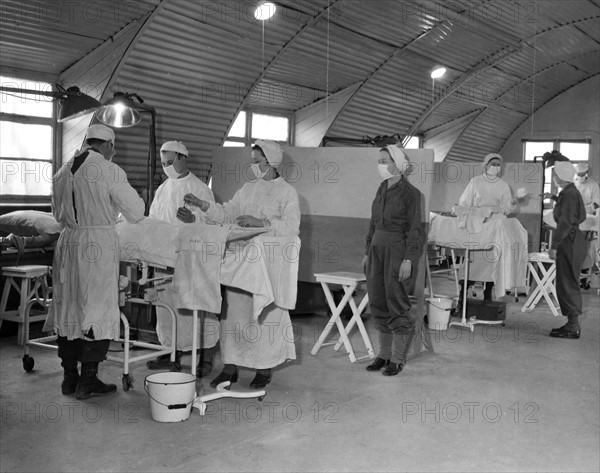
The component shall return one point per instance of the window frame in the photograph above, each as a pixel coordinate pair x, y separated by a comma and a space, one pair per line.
556, 142
9, 200
247, 140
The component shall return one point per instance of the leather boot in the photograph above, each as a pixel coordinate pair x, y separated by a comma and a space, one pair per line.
229, 373
402, 344
262, 378
89, 385
70, 376
206, 361
487, 292
163, 362
571, 330
377, 364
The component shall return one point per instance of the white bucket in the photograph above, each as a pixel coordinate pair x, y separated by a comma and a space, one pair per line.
171, 395
438, 314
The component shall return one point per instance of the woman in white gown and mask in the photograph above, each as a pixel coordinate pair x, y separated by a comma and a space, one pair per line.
268, 201
490, 191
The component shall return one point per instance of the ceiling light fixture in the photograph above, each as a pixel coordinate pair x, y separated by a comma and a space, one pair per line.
438, 72
264, 11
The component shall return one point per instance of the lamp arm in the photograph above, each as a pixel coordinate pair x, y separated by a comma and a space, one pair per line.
43, 93
151, 167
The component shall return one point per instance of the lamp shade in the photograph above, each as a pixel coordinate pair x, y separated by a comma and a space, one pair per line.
74, 104
119, 112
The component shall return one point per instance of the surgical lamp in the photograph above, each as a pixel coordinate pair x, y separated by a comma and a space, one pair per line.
72, 102
122, 111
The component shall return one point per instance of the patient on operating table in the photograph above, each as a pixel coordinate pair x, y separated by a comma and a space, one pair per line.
20, 243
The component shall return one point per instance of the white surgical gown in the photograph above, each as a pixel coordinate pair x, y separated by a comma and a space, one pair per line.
485, 191
590, 193
86, 259
274, 200
268, 341
168, 198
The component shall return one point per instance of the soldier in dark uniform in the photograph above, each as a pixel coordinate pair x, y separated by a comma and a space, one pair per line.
569, 249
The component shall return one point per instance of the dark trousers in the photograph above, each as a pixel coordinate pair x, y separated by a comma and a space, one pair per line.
388, 297
82, 350
569, 257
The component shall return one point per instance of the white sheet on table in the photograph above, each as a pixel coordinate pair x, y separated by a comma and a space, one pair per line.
591, 223
150, 240
504, 264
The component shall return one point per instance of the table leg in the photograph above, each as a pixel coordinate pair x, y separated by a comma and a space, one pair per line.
463, 322
334, 320
194, 340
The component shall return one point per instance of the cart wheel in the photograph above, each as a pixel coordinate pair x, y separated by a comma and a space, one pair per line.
175, 367
127, 381
28, 363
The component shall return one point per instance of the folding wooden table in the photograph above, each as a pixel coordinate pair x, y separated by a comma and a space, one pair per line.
349, 281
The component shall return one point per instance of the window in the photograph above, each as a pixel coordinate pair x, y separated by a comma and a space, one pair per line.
576, 150
250, 126
414, 142
26, 141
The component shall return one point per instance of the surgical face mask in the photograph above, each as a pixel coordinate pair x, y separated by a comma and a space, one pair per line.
257, 172
492, 170
171, 173
384, 171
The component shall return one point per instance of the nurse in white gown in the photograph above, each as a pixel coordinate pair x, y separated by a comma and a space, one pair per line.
490, 193
269, 201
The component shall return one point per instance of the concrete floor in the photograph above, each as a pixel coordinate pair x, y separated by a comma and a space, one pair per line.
504, 398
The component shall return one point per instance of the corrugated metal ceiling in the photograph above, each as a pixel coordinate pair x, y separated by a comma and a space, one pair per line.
199, 62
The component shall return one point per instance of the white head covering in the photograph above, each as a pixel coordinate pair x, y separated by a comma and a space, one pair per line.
580, 168
272, 151
565, 170
398, 156
176, 147
489, 157
100, 132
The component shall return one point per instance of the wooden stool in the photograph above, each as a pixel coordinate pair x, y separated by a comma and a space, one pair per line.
543, 270
349, 281
27, 274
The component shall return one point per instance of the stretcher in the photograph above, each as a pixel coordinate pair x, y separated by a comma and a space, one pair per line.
150, 297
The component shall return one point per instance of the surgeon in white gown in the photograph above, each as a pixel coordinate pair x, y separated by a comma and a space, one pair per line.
489, 195
88, 193
269, 201
168, 205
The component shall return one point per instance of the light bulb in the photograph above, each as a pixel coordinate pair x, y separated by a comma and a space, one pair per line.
264, 11
438, 72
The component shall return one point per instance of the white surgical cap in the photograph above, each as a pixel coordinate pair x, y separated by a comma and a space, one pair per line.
272, 151
398, 157
565, 170
491, 156
100, 132
580, 168
176, 147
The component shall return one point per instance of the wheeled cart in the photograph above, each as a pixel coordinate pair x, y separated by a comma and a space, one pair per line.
150, 298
